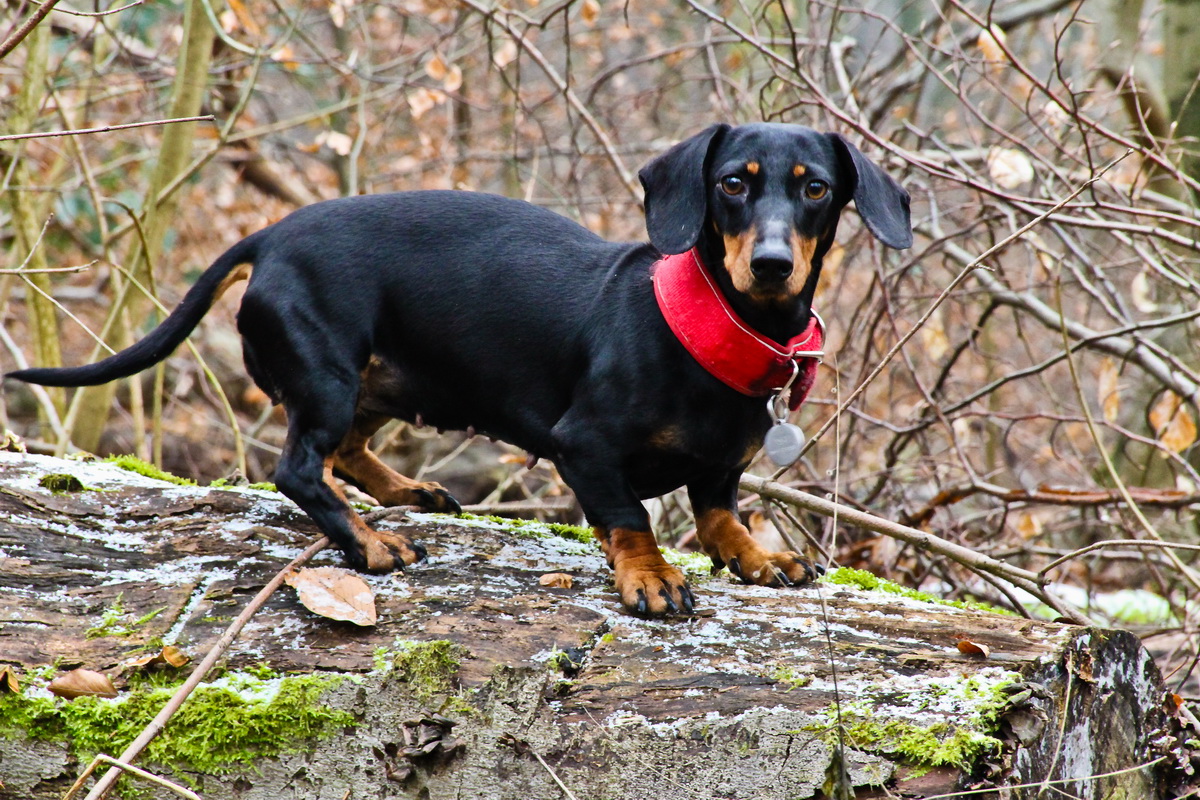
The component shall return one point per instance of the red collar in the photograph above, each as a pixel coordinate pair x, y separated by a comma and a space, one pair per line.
722, 343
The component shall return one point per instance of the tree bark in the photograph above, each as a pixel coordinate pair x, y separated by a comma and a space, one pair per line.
175, 152
479, 682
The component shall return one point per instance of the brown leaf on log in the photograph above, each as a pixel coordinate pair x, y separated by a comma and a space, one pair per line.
335, 593
82, 683
170, 655
557, 580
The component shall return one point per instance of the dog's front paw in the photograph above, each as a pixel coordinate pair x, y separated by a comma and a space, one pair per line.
764, 568
386, 551
435, 498
653, 590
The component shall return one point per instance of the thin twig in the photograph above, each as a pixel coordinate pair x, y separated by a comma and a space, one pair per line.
553, 775
1136, 543
105, 128
974, 264
106, 13
137, 771
10, 44
922, 540
102, 787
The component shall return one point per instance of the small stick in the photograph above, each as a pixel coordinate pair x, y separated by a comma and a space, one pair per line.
148, 733
553, 775
105, 128
141, 773
922, 540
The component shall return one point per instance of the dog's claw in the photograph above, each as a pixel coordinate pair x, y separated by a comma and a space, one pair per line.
419, 549
438, 500
717, 565
689, 603
642, 606
735, 566
671, 605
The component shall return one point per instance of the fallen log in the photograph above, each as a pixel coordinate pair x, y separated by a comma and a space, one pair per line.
478, 681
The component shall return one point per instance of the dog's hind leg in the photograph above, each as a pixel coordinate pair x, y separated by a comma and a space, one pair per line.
305, 474
354, 459
306, 371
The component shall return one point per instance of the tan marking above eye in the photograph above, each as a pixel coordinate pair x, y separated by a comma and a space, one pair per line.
752, 167
799, 170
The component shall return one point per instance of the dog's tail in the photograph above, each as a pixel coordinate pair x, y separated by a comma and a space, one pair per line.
162, 341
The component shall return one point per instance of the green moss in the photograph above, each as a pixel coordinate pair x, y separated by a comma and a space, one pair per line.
264, 486
696, 566
62, 482
429, 668
790, 677
845, 576
224, 726
575, 532
135, 464
532, 527
958, 737
116, 621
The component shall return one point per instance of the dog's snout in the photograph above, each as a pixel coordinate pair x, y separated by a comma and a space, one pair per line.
771, 260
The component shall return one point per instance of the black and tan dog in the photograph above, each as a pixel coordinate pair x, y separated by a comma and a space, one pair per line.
475, 310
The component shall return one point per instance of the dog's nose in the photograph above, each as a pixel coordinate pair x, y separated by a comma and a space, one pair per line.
771, 261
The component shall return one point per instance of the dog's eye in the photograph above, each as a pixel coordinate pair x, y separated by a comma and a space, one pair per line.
732, 185
815, 190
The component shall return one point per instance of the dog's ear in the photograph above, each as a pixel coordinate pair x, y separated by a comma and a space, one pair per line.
676, 197
882, 203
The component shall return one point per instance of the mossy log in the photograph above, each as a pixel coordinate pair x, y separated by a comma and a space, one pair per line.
479, 682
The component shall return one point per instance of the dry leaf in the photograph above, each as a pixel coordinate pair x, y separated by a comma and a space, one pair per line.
1009, 168
287, 57
169, 655
454, 78
8, 680
336, 141
969, 648
590, 11
337, 14
82, 683
556, 580
1141, 294
422, 100
505, 54
243, 17
228, 21
1028, 525
990, 42
435, 67
1173, 423
1108, 388
934, 339
335, 593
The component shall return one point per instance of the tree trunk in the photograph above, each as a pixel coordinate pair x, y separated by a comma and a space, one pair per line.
175, 153
479, 682
29, 213
1181, 72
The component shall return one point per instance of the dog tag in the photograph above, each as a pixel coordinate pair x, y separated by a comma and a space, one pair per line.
783, 443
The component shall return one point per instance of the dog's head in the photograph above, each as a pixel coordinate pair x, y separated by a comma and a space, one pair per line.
767, 198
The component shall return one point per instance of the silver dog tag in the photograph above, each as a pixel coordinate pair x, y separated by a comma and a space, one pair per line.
783, 443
